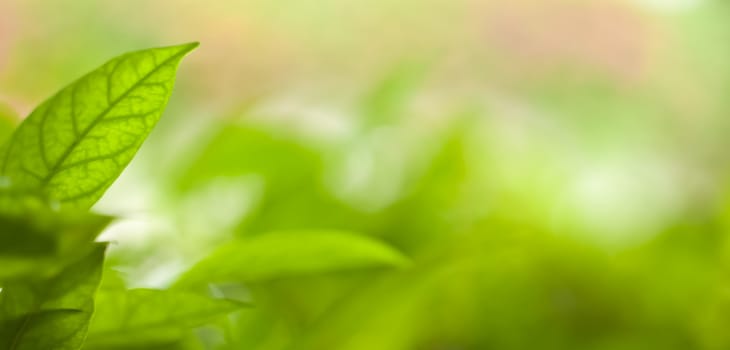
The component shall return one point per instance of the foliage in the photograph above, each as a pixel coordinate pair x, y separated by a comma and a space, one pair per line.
371, 176
75, 144
58, 163
55, 165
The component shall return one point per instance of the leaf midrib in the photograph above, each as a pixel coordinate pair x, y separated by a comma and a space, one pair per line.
67, 152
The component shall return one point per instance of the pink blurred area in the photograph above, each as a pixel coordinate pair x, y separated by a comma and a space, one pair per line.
609, 38
260, 48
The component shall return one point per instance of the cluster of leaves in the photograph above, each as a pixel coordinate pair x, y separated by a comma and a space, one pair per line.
57, 164
489, 269
54, 167
495, 264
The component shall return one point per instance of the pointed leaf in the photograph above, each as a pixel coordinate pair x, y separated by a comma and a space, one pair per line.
75, 144
286, 254
51, 315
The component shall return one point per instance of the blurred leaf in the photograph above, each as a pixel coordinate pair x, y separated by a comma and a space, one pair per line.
35, 242
53, 314
291, 169
8, 120
75, 144
385, 103
147, 318
243, 150
295, 253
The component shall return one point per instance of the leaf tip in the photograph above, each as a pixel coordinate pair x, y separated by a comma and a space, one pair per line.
187, 47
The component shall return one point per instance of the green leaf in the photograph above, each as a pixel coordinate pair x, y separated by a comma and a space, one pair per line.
36, 242
54, 314
386, 102
149, 318
293, 253
75, 144
8, 120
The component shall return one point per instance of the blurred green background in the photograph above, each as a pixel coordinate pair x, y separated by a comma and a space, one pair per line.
557, 170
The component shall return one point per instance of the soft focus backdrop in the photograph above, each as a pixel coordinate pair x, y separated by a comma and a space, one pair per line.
558, 170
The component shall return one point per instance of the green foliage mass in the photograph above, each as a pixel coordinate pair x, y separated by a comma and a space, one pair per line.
53, 313
54, 166
522, 211
58, 163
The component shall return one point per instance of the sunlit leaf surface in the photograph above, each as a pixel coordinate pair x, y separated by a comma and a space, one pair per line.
75, 144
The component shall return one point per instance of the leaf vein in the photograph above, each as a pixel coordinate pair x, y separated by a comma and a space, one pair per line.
97, 158
67, 152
